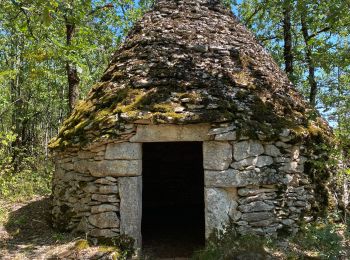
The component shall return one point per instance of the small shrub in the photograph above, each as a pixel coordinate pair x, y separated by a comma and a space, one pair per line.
24, 172
81, 244
125, 244
322, 238
3, 214
226, 244
122, 245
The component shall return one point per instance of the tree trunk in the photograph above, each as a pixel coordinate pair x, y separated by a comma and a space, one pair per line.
287, 34
309, 61
72, 72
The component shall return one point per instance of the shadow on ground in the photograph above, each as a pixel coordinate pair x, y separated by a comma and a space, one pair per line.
28, 235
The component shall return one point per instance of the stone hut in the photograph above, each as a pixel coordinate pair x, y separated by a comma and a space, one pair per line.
191, 120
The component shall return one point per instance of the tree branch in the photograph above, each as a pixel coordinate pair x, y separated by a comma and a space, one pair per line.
98, 8
326, 29
20, 6
256, 11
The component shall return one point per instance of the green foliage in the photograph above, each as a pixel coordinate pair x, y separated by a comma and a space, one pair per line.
3, 214
227, 244
34, 53
25, 184
122, 245
125, 243
81, 244
32, 175
328, 29
323, 238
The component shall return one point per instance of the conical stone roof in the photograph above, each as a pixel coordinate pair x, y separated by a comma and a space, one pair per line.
188, 61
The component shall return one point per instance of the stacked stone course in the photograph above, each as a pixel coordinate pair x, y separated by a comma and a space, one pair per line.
266, 181
260, 185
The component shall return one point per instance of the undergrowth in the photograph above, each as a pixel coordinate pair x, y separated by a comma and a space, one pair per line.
24, 172
319, 240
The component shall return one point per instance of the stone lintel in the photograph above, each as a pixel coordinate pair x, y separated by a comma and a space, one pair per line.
171, 133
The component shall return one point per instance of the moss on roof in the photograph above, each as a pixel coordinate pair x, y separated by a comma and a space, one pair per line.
190, 61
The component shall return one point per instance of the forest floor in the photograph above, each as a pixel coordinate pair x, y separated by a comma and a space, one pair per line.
25, 234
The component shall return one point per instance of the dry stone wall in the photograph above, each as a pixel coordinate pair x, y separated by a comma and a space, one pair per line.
258, 184
96, 190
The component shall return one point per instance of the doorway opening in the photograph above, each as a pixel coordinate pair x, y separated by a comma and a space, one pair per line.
172, 199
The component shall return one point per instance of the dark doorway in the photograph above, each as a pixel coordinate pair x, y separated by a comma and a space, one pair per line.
173, 199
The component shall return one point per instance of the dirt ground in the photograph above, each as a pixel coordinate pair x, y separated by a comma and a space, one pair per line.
27, 234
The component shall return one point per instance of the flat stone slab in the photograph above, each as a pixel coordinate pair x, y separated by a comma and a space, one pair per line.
245, 149
217, 155
115, 168
236, 178
220, 206
130, 192
171, 133
104, 220
126, 150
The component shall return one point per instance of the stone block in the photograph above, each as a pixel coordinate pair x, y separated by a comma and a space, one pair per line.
85, 154
257, 216
104, 181
96, 147
108, 189
104, 220
68, 166
255, 206
260, 196
245, 149
244, 163
263, 161
217, 155
272, 150
295, 152
130, 191
283, 145
262, 223
103, 233
220, 205
171, 133
83, 225
229, 136
236, 178
90, 188
115, 168
290, 167
103, 208
105, 198
126, 150
81, 166
254, 191
288, 222
222, 130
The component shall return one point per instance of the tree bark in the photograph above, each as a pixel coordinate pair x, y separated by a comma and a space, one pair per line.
309, 61
287, 34
72, 72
